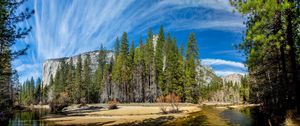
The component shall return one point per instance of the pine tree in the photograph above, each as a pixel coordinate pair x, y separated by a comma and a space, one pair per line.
159, 58
99, 75
70, 81
269, 45
117, 47
38, 90
107, 81
124, 66
31, 90
168, 73
132, 67
11, 15
172, 73
121, 69
191, 89
149, 65
139, 73
87, 82
181, 75
78, 80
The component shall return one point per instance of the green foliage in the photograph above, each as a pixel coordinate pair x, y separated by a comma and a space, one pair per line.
95, 89
270, 46
159, 58
10, 32
87, 80
32, 92
172, 73
78, 80
191, 92
138, 74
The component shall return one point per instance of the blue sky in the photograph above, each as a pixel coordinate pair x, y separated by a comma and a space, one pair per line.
68, 27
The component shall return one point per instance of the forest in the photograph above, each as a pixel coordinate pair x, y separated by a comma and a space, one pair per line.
137, 74
144, 72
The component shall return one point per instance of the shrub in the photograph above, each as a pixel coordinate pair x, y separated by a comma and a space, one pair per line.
83, 102
113, 104
171, 99
174, 101
163, 106
59, 102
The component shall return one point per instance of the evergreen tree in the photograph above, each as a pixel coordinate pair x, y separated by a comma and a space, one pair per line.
117, 47
87, 82
38, 90
131, 66
149, 65
191, 89
121, 69
166, 88
70, 81
181, 75
99, 75
78, 80
270, 47
31, 90
159, 58
124, 66
139, 73
10, 15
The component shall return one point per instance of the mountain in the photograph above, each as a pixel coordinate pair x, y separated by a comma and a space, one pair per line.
50, 66
234, 78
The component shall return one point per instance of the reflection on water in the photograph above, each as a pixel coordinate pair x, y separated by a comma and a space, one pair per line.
28, 118
250, 116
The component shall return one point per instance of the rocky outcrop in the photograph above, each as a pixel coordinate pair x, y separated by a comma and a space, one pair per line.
50, 66
234, 78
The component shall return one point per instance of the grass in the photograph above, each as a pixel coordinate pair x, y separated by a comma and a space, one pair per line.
126, 114
206, 117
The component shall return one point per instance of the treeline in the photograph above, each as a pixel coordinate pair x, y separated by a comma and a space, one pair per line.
227, 92
32, 92
133, 74
271, 45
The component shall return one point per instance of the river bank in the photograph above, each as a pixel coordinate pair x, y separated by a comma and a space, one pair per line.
126, 113
145, 114
141, 113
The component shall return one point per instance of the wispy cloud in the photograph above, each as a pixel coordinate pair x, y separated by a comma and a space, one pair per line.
26, 71
225, 67
65, 28
224, 73
211, 62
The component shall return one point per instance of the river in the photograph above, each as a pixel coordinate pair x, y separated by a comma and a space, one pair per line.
249, 116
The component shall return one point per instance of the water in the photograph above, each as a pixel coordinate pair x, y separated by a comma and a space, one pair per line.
249, 116
28, 118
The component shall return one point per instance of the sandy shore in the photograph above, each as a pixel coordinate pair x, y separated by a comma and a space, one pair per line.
126, 113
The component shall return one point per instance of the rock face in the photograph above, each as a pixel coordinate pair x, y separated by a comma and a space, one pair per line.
234, 78
50, 66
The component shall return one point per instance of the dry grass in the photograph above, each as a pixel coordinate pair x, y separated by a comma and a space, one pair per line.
137, 110
124, 114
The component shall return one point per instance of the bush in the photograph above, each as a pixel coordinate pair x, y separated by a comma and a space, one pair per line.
112, 104
59, 102
83, 102
163, 106
171, 99
174, 101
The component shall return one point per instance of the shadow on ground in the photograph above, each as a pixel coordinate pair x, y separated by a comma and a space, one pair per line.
149, 122
194, 119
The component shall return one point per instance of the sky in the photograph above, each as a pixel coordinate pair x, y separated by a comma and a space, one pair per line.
62, 28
